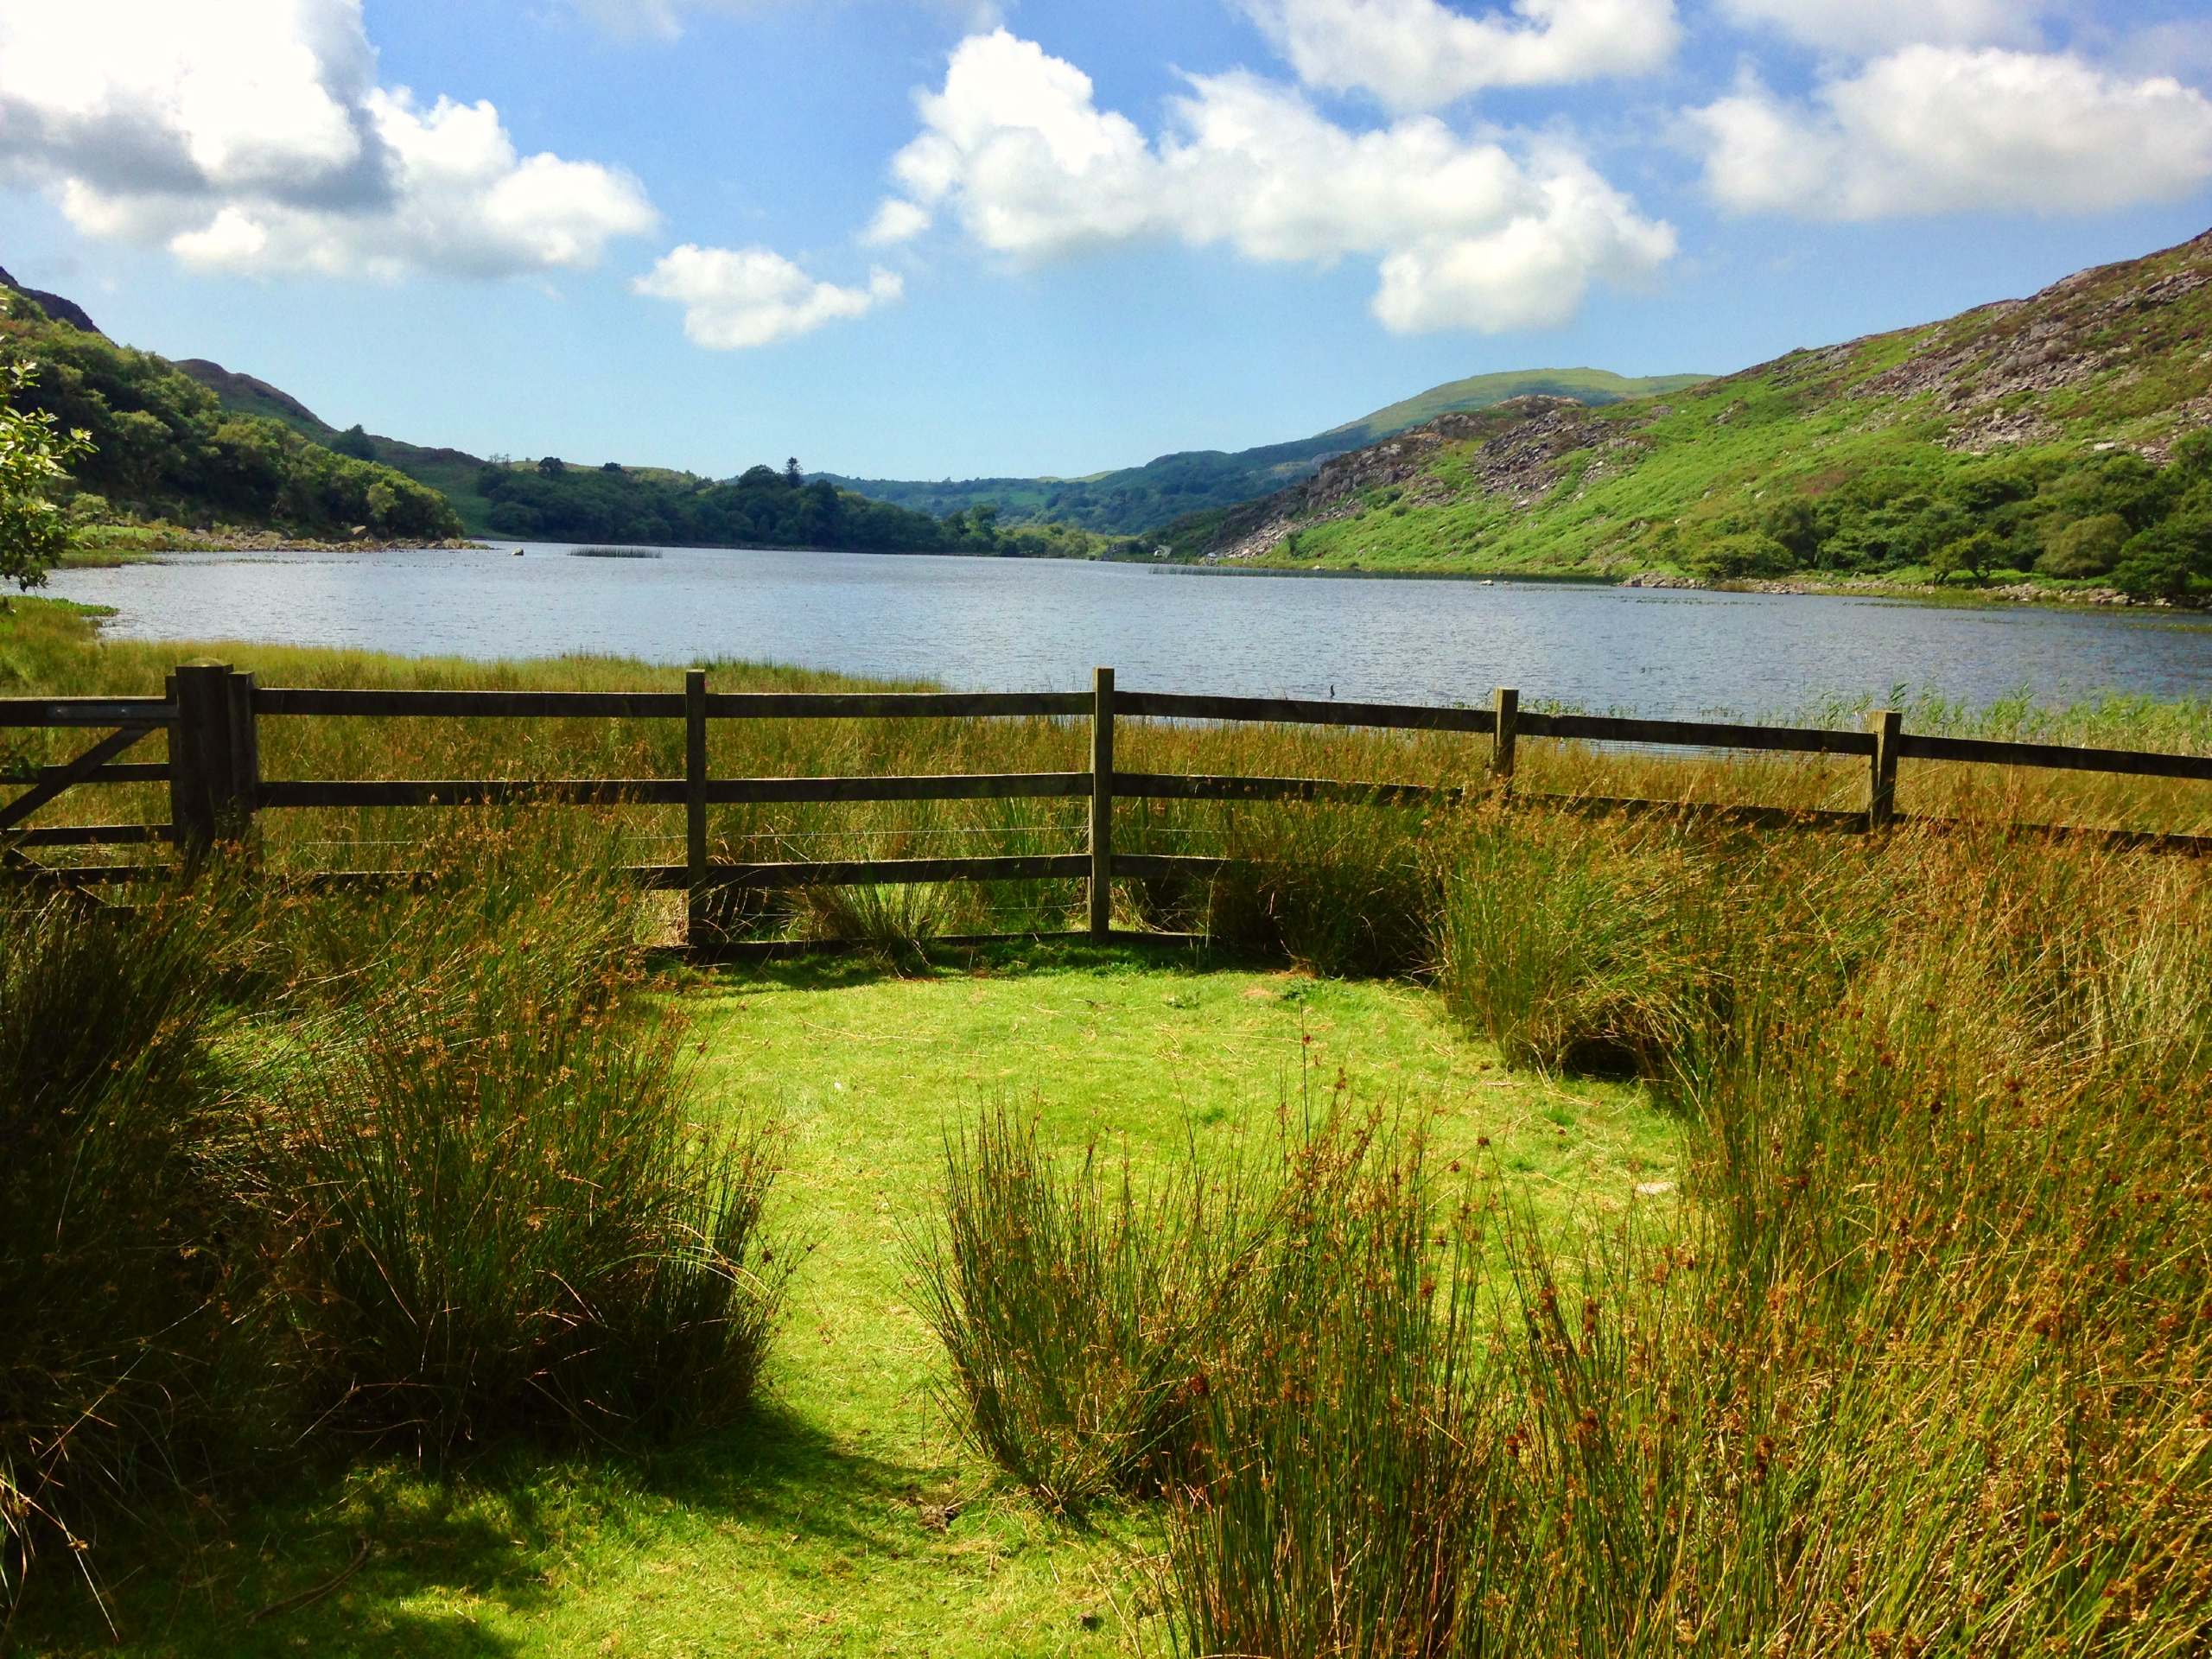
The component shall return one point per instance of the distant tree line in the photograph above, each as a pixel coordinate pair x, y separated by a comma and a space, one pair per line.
2112, 517
163, 446
764, 506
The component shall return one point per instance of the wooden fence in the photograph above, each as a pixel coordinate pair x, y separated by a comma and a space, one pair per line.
213, 716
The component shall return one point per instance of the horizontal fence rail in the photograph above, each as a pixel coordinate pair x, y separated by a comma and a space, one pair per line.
211, 717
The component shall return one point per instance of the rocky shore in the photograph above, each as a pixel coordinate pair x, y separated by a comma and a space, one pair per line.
2017, 593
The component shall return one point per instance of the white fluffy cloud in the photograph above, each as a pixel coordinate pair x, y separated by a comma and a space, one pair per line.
1934, 129
252, 135
1467, 232
1872, 26
734, 299
1419, 54
664, 19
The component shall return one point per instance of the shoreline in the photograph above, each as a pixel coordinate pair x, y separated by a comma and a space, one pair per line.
2007, 594
1995, 594
108, 546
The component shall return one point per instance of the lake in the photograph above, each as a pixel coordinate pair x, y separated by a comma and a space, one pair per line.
979, 624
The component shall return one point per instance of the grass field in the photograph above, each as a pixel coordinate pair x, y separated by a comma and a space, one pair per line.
848, 1521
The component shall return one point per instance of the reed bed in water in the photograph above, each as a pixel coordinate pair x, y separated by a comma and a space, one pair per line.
1920, 1361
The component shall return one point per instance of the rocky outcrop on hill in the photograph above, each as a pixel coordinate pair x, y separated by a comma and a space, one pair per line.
1982, 366
1520, 446
54, 305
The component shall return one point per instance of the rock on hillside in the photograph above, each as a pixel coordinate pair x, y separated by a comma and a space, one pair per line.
54, 305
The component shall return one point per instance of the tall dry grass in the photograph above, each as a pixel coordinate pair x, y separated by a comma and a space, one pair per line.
287, 1169
1922, 1364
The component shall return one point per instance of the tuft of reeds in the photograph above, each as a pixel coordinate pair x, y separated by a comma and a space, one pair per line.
1921, 1363
418, 1163
496, 1212
1076, 1310
126, 1339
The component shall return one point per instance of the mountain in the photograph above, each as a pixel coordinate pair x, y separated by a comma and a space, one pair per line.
2064, 432
165, 448
1139, 499
54, 305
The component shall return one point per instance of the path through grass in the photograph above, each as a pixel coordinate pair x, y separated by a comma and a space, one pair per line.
847, 1521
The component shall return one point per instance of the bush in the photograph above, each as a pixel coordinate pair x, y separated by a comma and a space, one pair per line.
1743, 556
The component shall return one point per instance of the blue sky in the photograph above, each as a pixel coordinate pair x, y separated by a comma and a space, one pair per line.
657, 230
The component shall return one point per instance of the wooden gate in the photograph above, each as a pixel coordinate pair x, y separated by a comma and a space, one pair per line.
115, 725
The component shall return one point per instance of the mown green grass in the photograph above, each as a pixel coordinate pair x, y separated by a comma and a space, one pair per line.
847, 1520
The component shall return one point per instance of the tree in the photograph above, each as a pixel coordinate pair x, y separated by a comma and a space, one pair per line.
2088, 547
792, 473
552, 466
355, 442
35, 455
1796, 525
2172, 560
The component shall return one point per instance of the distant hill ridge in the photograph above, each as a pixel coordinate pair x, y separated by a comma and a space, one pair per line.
2069, 434
166, 447
1134, 499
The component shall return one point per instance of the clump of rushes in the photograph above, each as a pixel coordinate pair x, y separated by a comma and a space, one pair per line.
894, 923
123, 1361
1586, 952
1920, 1364
497, 1214
1076, 1311
1331, 1506
1339, 889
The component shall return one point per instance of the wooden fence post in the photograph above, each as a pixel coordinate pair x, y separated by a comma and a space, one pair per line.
696, 926
204, 786
1508, 705
179, 806
1101, 803
245, 756
1886, 724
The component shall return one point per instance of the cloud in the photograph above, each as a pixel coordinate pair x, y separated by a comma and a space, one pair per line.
1933, 130
1869, 26
252, 135
734, 299
664, 19
1466, 233
896, 221
1420, 55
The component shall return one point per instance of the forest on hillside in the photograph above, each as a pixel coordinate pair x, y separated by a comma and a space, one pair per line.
163, 447
552, 499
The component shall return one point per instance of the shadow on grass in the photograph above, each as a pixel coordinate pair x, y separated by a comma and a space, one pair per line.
842, 969
453, 1559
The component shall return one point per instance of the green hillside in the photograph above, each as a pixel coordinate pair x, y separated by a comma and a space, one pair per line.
1592, 386
1139, 498
2062, 435
165, 448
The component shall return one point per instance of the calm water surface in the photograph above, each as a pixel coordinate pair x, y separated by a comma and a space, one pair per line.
1033, 625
